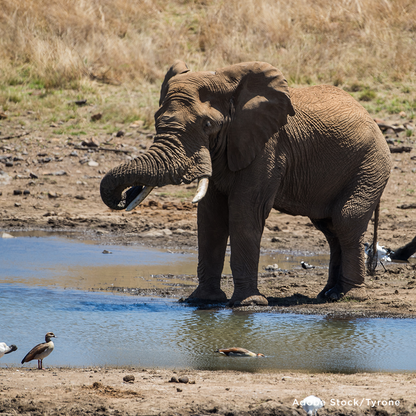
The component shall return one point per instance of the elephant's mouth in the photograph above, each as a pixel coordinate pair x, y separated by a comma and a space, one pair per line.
137, 194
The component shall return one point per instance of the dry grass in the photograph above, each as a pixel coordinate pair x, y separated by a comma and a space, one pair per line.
355, 44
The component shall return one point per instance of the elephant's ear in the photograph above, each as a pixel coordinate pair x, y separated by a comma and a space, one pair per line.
177, 68
260, 106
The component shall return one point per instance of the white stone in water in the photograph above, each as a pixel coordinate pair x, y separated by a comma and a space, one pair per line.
5, 235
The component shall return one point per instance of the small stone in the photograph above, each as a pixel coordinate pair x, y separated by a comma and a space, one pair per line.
17, 192
120, 133
6, 235
174, 379
272, 267
96, 117
80, 197
107, 252
9, 164
60, 173
178, 390
52, 194
17, 204
183, 379
91, 142
74, 153
129, 378
26, 192
33, 175
92, 163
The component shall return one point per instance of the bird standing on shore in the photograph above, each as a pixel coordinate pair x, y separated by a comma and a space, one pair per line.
4, 349
306, 265
41, 350
238, 352
383, 253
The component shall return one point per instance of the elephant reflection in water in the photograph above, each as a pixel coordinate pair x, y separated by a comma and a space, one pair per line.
254, 144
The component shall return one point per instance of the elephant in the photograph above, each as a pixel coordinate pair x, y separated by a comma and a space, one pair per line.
403, 253
254, 143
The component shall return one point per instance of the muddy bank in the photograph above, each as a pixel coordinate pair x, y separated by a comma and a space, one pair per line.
136, 391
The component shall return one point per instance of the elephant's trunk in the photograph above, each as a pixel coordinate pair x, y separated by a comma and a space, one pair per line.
166, 162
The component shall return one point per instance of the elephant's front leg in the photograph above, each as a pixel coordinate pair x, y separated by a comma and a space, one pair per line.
246, 229
212, 244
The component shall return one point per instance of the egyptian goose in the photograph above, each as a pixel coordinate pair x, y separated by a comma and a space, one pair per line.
4, 349
41, 350
238, 352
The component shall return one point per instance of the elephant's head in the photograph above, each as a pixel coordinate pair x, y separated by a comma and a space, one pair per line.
234, 110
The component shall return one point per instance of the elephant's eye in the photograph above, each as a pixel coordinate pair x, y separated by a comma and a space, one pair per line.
207, 124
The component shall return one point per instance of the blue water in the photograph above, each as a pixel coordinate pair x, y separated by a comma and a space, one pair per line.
97, 329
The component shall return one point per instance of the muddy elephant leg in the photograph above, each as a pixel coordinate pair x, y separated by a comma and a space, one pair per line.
335, 261
212, 244
352, 272
246, 229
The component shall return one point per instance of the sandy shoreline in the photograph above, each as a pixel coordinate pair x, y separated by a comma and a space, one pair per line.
102, 391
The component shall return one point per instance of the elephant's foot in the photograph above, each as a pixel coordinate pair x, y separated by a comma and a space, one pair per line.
259, 300
337, 293
200, 295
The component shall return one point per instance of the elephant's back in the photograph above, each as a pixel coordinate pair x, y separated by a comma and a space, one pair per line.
329, 113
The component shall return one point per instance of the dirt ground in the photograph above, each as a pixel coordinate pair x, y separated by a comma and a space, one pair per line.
50, 182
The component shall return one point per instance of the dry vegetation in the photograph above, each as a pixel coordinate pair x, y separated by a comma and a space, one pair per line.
364, 46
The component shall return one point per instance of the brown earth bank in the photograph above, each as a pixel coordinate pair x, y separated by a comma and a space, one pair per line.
135, 391
52, 183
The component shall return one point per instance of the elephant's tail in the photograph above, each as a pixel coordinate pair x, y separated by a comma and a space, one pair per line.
372, 255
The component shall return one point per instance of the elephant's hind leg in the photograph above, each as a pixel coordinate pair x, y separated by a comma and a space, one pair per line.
350, 233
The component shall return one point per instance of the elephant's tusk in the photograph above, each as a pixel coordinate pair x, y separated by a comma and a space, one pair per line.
202, 189
139, 198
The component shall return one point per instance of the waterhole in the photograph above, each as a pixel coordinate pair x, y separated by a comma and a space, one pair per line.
38, 282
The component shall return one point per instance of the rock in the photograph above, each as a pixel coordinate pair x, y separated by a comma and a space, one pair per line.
5, 235
272, 267
60, 173
17, 204
17, 192
26, 192
92, 163
407, 206
120, 133
96, 117
155, 233
178, 390
80, 197
5, 178
33, 175
74, 153
174, 379
107, 252
90, 143
129, 378
52, 194
183, 379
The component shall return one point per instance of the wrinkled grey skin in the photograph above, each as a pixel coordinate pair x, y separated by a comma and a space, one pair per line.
403, 253
309, 151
